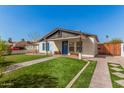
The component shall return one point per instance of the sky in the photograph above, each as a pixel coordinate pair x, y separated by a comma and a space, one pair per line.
33, 22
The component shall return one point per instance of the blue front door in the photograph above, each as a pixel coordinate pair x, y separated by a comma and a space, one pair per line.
64, 47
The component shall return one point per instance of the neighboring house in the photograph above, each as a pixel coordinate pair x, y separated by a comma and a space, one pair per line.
32, 47
20, 45
24, 47
69, 42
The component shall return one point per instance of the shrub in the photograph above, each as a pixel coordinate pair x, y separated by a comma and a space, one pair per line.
9, 51
116, 40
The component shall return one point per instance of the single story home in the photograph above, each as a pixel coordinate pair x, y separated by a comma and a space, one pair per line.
69, 42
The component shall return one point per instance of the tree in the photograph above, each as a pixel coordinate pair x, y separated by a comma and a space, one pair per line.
10, 40
116, 40
107, 38
3, 49
23, 39
9, 50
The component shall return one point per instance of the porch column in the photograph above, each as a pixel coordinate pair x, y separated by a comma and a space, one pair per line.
68, 49
75, 47
46, 46
80, 51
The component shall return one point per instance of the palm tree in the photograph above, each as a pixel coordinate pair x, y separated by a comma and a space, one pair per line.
107, 38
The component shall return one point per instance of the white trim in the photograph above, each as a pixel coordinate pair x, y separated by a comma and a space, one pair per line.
85, 55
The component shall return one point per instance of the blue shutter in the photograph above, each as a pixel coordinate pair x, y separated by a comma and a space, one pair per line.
43, 46
47, 46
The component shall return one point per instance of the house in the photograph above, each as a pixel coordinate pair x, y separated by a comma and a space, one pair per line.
69, 42
32, 47
24, 47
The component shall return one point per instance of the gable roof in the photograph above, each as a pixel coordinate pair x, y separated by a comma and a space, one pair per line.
70, 31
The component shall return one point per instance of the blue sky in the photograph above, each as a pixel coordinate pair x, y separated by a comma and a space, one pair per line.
29, 22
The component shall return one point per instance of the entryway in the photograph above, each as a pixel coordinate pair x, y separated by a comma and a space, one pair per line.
64, 47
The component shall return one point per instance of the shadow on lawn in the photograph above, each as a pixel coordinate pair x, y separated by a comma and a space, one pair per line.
31, 81
6, 63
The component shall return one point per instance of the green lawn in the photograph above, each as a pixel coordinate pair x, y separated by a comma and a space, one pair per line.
85, 78
114, 78
54, 73
12, 59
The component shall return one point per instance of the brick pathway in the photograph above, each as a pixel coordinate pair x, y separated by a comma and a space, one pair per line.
28, 63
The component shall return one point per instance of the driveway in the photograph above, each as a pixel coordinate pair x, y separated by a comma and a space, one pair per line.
116, 59
101, 77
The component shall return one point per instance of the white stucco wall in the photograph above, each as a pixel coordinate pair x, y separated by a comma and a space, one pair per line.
51, 47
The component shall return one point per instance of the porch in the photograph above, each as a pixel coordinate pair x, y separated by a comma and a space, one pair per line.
74, 46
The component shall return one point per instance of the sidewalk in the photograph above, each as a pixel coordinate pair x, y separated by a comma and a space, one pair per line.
101, 77
28, 63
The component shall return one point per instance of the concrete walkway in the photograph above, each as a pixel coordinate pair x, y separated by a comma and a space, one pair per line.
101, 77
28, 63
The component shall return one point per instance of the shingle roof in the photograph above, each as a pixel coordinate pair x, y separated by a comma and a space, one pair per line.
24, 43
71, 31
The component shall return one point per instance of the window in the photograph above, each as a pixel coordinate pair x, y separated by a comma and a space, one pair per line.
47, 46
71, 47
43, 46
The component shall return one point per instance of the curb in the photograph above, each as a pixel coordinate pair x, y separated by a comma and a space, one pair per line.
77, 76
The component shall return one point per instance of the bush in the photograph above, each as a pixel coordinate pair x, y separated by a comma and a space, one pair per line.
3, 49
9, 51
2, 59
116, 40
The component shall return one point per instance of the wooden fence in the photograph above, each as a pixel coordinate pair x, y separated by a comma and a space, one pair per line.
113, 49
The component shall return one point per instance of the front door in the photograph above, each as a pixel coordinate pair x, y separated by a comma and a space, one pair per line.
64, 47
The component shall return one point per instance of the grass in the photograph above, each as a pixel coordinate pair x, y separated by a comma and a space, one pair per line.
12, 59
85, 78
114, 77
53, 73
